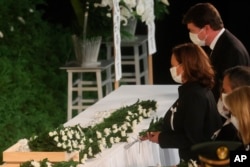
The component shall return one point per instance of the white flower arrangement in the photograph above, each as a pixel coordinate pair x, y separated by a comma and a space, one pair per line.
94, 17
190, 163
92, 140
47, 163
132, 8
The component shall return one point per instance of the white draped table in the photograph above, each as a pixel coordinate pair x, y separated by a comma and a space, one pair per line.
140, 154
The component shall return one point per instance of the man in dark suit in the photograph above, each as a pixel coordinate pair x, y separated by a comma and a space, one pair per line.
206, 28
234, 77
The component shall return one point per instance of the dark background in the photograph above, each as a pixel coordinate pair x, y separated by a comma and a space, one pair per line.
170, 31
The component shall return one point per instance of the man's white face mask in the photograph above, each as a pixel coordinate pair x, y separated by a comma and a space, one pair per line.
223, 96
222, 110
195, 39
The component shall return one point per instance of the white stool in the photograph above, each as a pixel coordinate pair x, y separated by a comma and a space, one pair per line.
77, 85
136, 61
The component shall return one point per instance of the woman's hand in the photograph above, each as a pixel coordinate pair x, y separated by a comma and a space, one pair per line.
153, 136
143, 138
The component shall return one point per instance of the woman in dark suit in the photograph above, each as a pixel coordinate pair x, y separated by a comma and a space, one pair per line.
206, 28
194, 117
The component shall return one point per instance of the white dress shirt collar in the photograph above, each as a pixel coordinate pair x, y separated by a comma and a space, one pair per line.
216, 38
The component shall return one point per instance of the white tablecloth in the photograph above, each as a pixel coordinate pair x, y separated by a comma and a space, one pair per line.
141, 154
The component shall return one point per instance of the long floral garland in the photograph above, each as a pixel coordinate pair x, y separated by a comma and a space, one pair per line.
92, 140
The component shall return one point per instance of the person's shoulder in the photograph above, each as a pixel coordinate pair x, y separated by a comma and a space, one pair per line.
229, 37
231, 43
195, 89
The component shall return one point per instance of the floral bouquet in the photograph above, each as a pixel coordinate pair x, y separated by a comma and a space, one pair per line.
47, 163
154, 126
91, 140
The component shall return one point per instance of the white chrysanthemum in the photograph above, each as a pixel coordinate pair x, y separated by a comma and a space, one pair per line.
123, 133
165, 2
59, 145
140, 118
19, 18
104, 142
111, 140
81, 146
145, 113
125, 14
64, 138
51, 133
98, 134
114, 126
70, 134
127, 118
149, 114
117, 139
140, 112
124, 127
35, 163
140, 8
90, 153
144, 110
107, 131
49, 164
128, 124
109, 15
11, 29
130, 3
134, 123
115, 131
101, 147
80, 165
69, 145
77, 135
56, 138
90, 140
192, 163
140, 107
108, 3
64, 145
31, 10
75, 144
85, 157
63, 132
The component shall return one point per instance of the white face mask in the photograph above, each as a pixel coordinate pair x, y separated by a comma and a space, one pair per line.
221, 109
223, 96
176, 78
195, 39
235, 122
